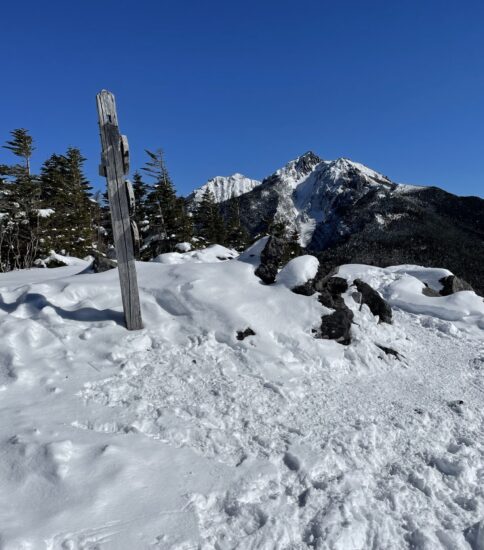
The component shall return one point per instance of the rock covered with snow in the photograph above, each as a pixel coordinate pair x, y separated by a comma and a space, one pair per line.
298, 271
55, 259
211, 254
183, 247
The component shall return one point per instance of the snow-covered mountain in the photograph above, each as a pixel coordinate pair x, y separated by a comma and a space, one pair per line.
224, 188
348, 213
306, 189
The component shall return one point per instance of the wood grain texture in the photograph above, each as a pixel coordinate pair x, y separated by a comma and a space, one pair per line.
112, 156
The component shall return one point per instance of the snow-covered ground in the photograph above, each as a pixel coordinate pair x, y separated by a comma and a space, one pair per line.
181, 436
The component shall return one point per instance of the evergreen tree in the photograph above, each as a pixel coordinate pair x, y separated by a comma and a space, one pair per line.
141, 214
22, 146
295, 248
208, 220
185, 222
68, 225
166, 213
20, 192
237, 236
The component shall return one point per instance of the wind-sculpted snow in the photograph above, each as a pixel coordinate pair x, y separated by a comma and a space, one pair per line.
182, 436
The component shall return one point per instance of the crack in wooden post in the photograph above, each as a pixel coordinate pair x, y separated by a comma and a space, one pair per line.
114, 159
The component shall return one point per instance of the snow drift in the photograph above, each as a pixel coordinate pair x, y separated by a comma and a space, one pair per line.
182, 436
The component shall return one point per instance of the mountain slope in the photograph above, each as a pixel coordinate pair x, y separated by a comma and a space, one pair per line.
346, 212
225, 188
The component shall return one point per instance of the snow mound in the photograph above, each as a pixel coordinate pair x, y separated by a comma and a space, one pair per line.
211, 254
252, 254
181, 436
183, 247
298, 271
62, 259
402, 287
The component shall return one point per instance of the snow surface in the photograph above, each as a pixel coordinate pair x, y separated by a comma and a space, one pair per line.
180, 436
183, 247
213, 253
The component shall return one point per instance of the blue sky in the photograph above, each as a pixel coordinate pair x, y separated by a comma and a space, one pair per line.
247, 86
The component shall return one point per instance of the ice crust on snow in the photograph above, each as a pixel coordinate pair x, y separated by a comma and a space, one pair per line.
181, 436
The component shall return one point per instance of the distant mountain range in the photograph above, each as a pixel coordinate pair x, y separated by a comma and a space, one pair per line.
346, 212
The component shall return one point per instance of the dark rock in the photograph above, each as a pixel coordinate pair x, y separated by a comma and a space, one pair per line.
272, 257
307, 289
430, 292
330, 289
333, 301
356, 297
374, 301
456, 406
474, 535
389, 351
337, 326
267, 273
102, 263
322, 277
54, 262
337, 285
452, 284
50, 262
242, 334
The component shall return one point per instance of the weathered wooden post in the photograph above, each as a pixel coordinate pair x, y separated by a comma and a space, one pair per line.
114, 167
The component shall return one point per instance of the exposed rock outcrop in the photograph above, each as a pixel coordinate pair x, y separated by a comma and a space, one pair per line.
452, 284
102, 263
272, 258
374, 301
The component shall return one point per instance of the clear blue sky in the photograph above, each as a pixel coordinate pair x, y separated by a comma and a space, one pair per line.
248, 85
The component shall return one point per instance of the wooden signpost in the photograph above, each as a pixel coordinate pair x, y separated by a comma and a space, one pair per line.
114, 167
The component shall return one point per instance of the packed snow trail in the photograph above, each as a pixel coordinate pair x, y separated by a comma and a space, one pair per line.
181, 436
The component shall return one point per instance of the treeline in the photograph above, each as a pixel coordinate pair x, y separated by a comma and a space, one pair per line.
57, 211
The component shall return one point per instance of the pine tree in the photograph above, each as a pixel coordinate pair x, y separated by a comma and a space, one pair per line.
20, 225
237, 236
208, 220
22, 146
69, 229
185, 221
141, 214
294, 246
165, 212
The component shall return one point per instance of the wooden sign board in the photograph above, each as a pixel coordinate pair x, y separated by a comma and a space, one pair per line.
115, 166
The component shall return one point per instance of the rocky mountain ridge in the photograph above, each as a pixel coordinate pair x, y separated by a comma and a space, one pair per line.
345, 212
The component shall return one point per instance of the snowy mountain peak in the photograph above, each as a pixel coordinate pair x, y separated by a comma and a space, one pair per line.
225, 188
343, 167
296, 170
